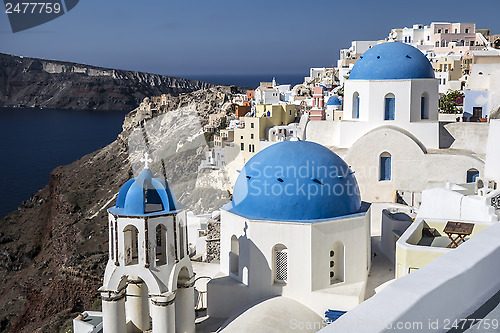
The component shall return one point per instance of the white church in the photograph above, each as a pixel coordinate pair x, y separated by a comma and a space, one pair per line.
149, 281
296, 237
390, 134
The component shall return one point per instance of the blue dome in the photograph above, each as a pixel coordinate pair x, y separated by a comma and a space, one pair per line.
144, 195
334, 100
392, 61
294, 181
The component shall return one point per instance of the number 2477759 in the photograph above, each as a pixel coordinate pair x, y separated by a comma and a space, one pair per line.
33, 8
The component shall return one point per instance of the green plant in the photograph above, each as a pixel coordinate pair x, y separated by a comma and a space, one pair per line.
449, 102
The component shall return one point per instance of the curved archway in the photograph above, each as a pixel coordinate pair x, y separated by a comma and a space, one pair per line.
385, 166
472, 175
161, 245
355, 105
424, 106
131, 245
280, 263
234, 256
390, 106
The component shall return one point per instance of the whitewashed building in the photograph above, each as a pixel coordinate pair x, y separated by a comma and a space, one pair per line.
296, 228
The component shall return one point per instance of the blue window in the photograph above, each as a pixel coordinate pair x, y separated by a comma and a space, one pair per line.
385, 166
423, 110
472, 174
390, 107
269, 113
355, 106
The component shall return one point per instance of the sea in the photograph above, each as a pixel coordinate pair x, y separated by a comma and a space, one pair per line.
35, 141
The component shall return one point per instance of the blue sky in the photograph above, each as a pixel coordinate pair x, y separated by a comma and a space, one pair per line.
187, 37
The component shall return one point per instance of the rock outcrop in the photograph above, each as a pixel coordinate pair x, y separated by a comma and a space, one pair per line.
54, 249
31, 82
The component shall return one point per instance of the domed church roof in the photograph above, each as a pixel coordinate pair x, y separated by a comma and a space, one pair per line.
392, 61
294, 181
144, 195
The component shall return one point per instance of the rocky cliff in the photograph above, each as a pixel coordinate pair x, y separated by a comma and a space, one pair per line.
53, 250
30, 82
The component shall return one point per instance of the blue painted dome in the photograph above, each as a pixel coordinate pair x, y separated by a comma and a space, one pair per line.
144, 195
392, 61
295, 181
334, 100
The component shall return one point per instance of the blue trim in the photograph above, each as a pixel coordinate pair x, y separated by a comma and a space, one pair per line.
385, 168
390, 108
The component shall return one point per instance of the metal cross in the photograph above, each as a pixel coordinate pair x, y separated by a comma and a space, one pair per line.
146, 160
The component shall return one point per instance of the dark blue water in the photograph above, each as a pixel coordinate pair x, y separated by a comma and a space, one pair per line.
33, 142
250, 80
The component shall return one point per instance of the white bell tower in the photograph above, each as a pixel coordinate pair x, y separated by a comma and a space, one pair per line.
149, 281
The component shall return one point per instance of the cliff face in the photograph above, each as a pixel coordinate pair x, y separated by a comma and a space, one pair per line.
30, 82
54, 249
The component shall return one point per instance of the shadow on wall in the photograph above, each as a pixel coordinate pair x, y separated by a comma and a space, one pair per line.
489, 310
260, 280
445, 138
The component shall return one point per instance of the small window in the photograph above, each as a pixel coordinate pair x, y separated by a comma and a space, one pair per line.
281, 264
472, 174
355, 105
131, 242
251, 136
424, 110
439, 31
234, 256
385, 166
446, 31
252, 125
466, 30
390, 107
242, 146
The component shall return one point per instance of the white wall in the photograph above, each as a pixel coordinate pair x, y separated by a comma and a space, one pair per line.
492, 167
434, 292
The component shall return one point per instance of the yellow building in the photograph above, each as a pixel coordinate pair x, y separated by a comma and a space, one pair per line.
424, 241
452, 66
253, 129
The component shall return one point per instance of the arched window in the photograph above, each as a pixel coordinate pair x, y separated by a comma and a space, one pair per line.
336, 263
234, 256
355, 105
472, 174
280, 257
390, 107
385, 166
131, 242
443, 43
161, 245
424, 107
437, 43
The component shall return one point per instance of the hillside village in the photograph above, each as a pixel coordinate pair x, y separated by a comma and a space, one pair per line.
409, 125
